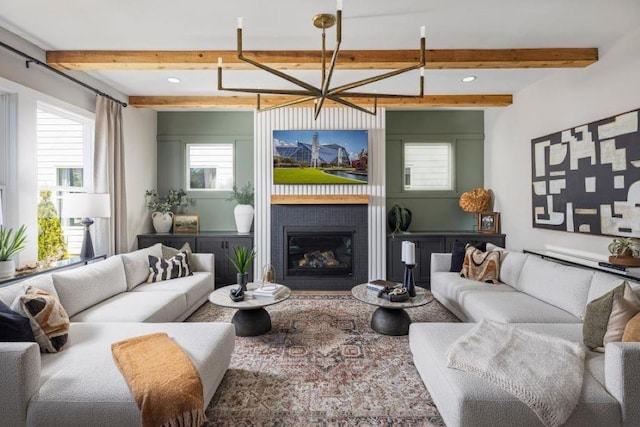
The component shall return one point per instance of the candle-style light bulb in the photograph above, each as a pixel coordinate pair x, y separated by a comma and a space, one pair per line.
219, 61
240, 22
339, 5
422, 72
423, 31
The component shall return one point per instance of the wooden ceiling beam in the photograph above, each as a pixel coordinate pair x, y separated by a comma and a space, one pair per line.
194, 102
86, 60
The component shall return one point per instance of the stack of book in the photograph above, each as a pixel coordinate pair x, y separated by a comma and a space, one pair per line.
272, 291
378, 285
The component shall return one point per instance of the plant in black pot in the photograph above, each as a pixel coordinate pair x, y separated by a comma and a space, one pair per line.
399, 218
241, 260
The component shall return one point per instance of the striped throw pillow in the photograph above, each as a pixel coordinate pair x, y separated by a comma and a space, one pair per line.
167, 269
481, 266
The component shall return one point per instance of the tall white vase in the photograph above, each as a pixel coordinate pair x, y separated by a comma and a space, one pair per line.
162, 221
7, 269
244, 217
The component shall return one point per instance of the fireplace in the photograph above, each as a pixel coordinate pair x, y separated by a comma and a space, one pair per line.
320, 247
318, 253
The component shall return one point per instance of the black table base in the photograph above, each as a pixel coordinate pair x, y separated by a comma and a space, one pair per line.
250, 323
390, 321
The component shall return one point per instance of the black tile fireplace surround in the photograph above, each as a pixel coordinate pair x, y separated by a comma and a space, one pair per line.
334, 239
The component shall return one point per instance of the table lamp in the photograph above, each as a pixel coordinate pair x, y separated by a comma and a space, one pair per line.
86, 206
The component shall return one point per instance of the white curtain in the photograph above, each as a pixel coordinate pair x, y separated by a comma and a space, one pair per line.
108, 177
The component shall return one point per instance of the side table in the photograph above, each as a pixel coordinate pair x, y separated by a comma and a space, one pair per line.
391, 318
251, 319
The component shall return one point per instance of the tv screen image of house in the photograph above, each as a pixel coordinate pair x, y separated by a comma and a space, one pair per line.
320, 156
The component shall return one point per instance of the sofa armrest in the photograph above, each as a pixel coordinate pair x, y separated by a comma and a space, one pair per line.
440, 262
204, 262
20, 379
621, 373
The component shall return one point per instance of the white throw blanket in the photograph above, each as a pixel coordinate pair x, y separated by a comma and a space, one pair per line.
543, 371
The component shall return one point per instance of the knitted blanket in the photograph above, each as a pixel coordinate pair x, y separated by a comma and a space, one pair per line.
163, 380
542, 371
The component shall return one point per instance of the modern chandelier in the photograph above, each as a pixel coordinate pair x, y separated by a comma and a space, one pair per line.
319, 95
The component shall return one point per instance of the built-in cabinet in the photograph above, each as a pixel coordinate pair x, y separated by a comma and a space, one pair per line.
426, 244
220, 244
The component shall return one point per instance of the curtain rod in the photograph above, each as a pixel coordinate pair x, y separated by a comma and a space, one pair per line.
31, 59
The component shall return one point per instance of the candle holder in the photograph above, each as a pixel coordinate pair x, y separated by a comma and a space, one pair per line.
408, 281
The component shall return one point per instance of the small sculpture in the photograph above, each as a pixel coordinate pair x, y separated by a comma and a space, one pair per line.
236, 294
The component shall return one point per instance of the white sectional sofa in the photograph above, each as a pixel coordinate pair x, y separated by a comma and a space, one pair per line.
539, 295
107, 301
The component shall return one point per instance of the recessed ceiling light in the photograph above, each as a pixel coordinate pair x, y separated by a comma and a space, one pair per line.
174, 80
469, 79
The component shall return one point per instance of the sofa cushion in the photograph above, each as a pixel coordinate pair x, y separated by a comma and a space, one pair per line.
194, 287
562, 286
49, 321
601, 283
14, 327
166, 269
606, 317
136, 264
511, 264
632, 330
83, 287
481, 266
44, 282
83, 387
465, 399
512, 307
458, 253
151, 307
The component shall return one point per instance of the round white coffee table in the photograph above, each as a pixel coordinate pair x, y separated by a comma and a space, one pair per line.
251, 319
390, 318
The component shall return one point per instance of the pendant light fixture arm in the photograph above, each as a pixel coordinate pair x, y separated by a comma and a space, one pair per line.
286, 104
354, 106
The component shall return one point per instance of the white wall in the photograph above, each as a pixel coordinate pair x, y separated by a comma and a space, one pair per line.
565, 99
27, 86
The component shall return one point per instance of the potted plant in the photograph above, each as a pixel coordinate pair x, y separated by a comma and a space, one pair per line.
243, 212
241, 260
163, 207
624, 251
399, 218
10, 244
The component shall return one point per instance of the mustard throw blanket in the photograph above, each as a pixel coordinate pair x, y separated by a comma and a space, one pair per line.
162, 379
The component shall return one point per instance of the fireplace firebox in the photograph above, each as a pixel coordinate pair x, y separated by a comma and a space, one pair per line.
313, 253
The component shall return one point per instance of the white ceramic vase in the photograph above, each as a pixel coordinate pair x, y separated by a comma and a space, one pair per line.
244, 217
162, 221
7, 269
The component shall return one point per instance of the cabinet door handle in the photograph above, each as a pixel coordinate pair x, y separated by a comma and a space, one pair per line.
222, 244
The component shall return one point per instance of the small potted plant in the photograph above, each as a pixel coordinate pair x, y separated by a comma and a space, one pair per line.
241, 260
163, 207
10, 243
243, 212
399, 218
624, 251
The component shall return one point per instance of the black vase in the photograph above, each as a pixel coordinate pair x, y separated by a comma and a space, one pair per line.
243, 279
392, 220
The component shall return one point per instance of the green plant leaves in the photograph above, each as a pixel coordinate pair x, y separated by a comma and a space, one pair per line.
243, 257
10, 242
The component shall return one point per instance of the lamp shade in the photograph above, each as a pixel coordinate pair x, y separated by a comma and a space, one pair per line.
86, 205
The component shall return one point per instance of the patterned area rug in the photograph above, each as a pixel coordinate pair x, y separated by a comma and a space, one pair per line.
322, 365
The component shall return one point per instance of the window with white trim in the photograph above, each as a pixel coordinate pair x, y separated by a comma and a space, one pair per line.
428, 166
64, 147
209, 167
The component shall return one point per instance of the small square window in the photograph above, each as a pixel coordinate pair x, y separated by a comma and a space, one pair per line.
428, 166
210, 167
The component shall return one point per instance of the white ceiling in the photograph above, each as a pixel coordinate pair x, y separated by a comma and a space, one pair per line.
286, 24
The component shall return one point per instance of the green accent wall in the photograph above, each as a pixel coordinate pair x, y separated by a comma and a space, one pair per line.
176, 129
436, 210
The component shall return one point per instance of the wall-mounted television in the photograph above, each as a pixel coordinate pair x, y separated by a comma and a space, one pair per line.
320, 156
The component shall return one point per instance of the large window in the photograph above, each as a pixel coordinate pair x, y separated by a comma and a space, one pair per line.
209, 167
64, 142
428, 166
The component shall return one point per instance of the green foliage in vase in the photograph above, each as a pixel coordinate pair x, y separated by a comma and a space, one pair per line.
174, 201
51, 242
401, 215
620, 245
10, 242
244, 196
242, 259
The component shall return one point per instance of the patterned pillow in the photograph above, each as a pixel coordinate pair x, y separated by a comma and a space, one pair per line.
606, 317
481, 266
168, 252
167, 269
49, 321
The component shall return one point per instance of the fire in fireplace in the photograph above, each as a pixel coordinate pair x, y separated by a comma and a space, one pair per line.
315, 253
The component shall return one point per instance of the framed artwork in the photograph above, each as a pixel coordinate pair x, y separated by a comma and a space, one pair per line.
489, 222
320, 156
586, 179
186, 223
